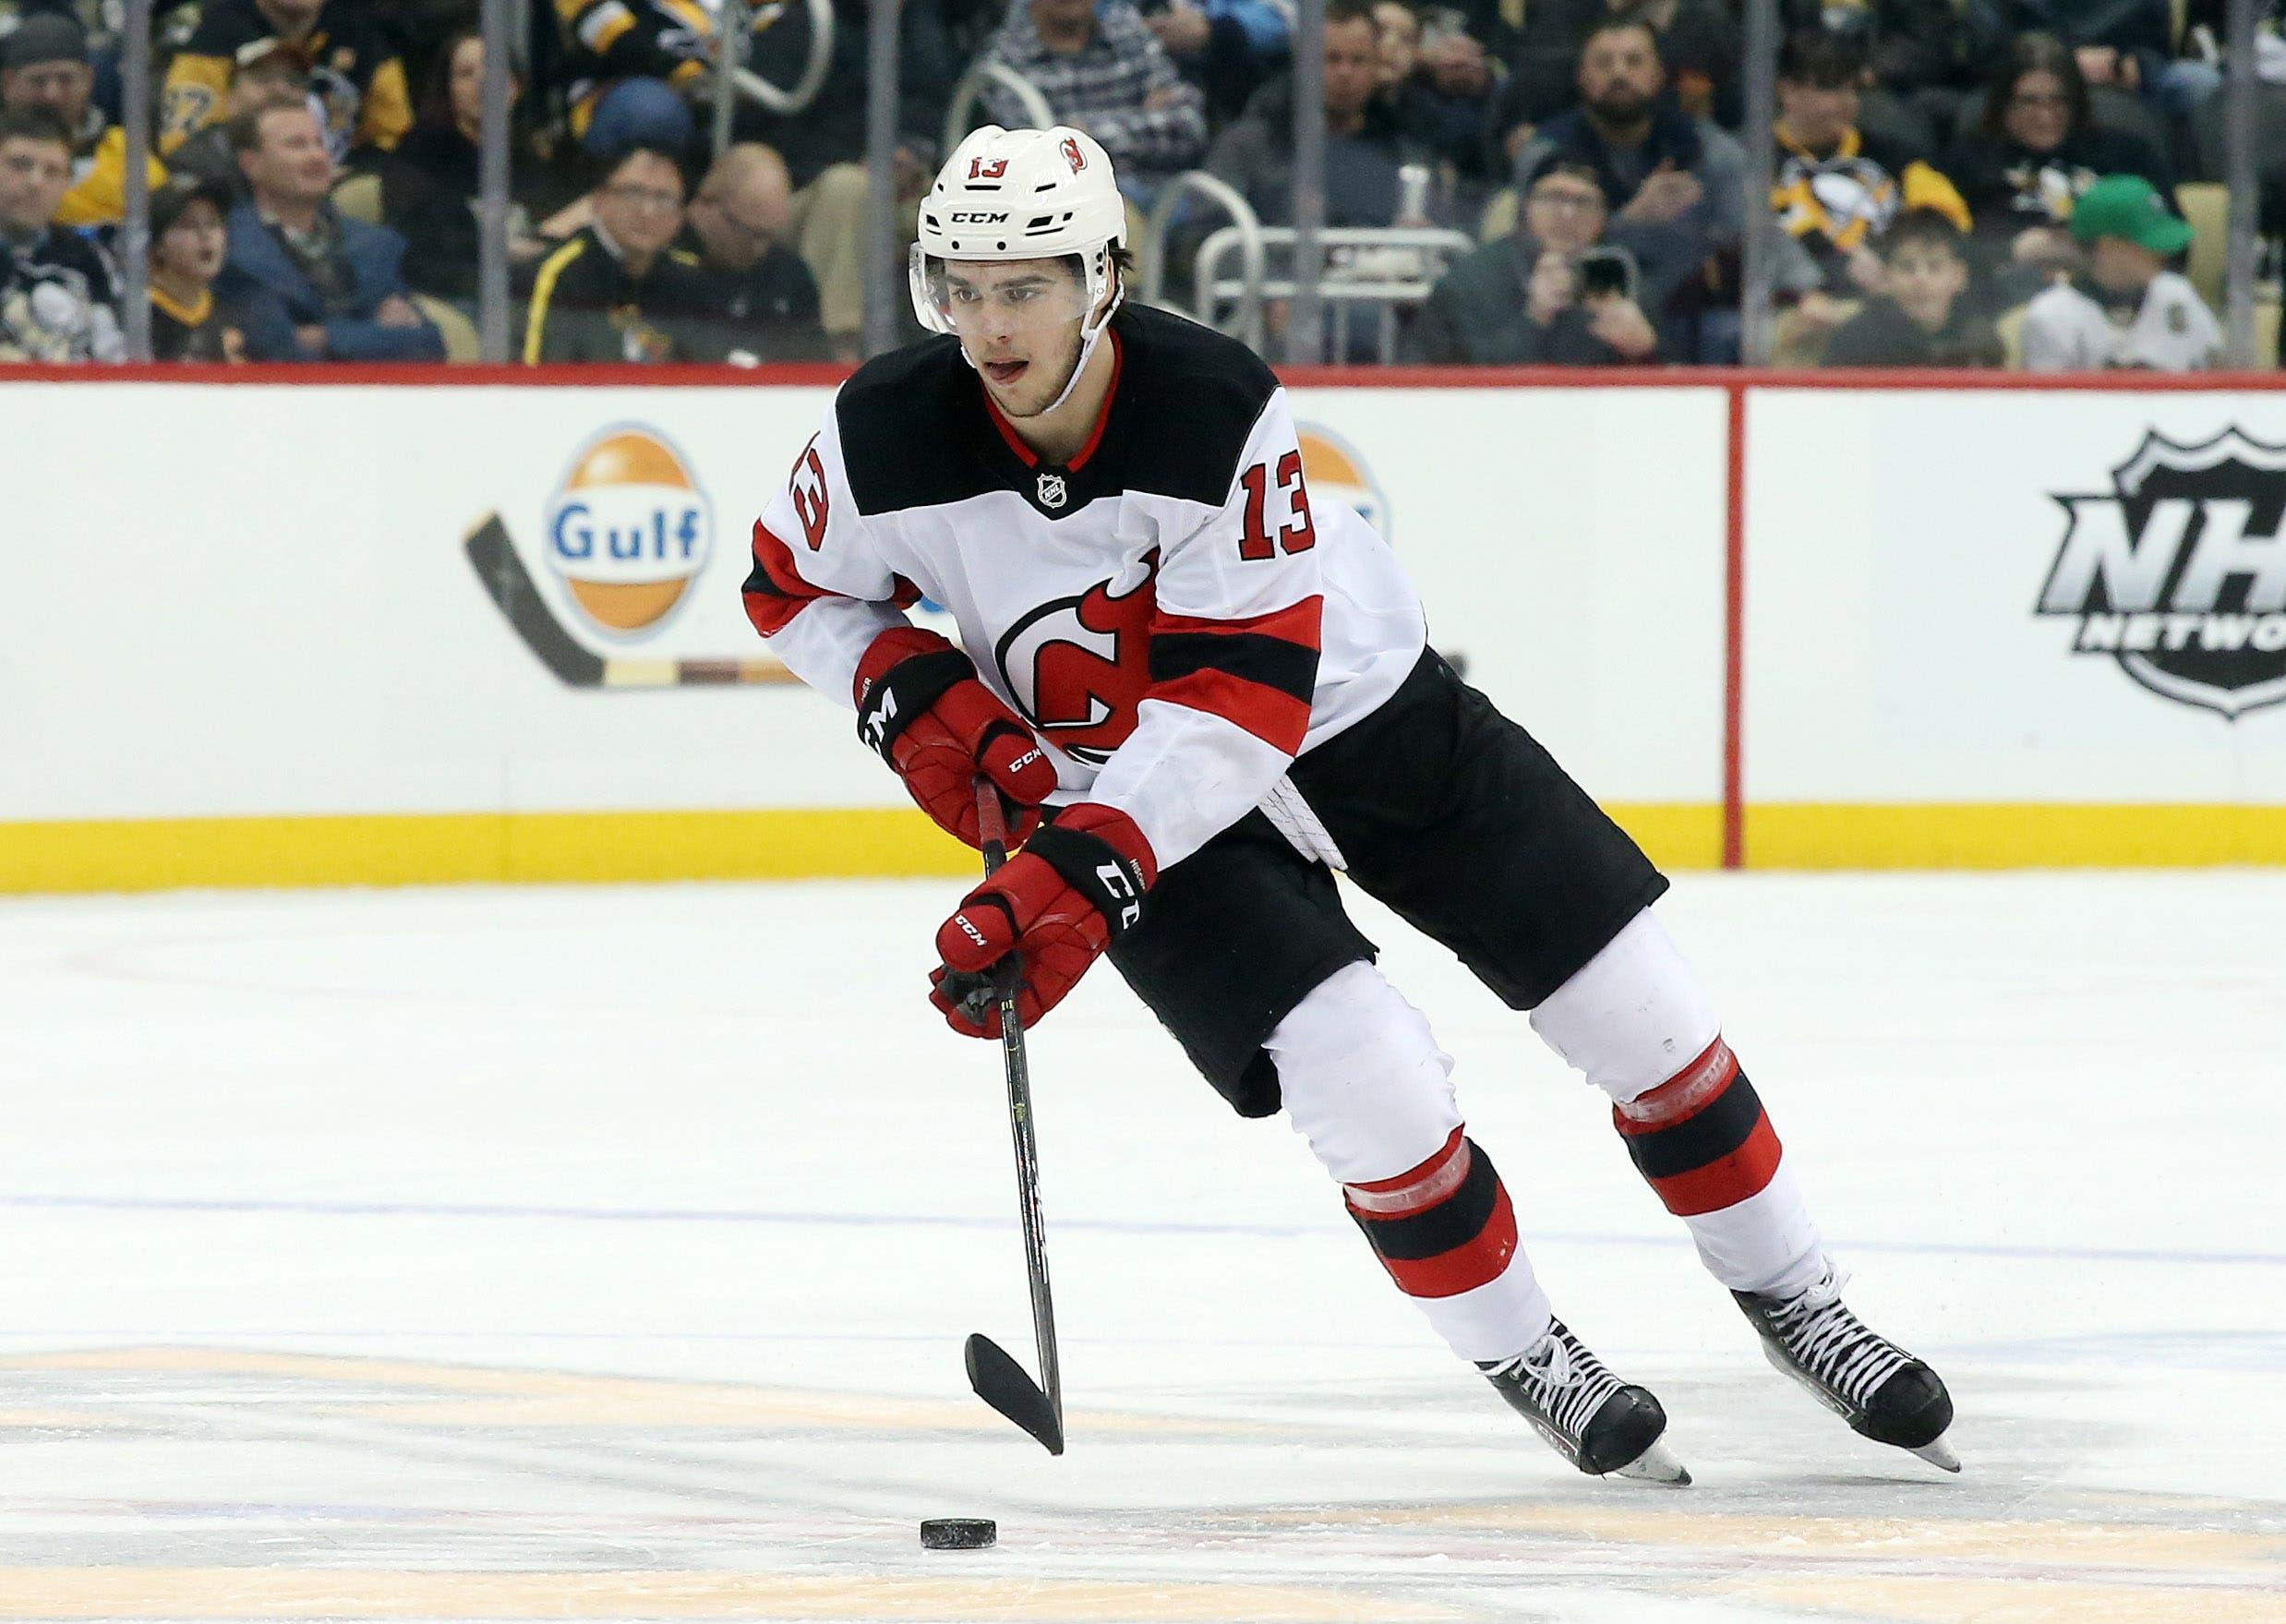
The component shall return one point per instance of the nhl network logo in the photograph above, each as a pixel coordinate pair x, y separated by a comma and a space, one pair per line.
2179, 573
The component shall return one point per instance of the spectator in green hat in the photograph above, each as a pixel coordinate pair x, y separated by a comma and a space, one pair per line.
2126, 309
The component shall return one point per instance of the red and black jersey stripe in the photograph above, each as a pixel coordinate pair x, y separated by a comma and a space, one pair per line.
1442, 1228
1714, 1149
775, 592
1259, 673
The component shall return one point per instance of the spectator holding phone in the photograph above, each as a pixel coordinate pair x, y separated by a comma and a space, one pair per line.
1555, 291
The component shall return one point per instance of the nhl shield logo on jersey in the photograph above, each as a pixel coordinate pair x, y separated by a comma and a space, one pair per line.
629, 530
1334, 467
1053, 491
2179, 571
1079, 667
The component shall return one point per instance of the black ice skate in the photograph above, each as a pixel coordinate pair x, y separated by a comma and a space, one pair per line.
1595, 1421
1881, 1391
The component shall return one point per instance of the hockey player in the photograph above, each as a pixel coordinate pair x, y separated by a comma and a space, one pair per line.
1201, 690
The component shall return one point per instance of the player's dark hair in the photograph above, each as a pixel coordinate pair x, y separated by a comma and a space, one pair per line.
1823, 59
2035, 52
34, 123
1931, 228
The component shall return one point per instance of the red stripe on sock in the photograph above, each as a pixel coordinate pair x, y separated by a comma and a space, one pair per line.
1466, 1267
1745, 1172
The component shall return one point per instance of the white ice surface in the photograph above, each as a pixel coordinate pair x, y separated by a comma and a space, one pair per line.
606, 1254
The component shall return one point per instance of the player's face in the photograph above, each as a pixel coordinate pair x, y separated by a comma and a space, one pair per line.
1020, 322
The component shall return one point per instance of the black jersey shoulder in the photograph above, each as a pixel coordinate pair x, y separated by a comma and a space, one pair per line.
1188, 400
906, 434
915, 430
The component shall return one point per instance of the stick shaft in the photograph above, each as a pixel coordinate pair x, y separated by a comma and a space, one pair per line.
994, 832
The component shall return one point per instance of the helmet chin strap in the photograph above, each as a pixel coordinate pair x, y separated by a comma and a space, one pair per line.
1089, 336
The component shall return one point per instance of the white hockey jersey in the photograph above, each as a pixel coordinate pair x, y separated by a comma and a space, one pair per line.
1172, 613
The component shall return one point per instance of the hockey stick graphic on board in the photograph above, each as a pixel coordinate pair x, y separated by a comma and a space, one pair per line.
998, 1380
509, 584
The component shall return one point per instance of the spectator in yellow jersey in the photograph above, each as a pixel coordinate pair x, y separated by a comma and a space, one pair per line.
1839, 187
619, 290
188, 244
633, 65
45, 66
354, 69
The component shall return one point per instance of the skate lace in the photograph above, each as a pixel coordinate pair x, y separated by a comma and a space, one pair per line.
1565, 1382
1835, 1346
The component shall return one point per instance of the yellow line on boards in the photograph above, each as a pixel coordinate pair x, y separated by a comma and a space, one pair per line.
447, 848
2012, 836
137, 854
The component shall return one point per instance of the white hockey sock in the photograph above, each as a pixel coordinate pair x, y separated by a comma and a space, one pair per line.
1365, 1084
1634, 1022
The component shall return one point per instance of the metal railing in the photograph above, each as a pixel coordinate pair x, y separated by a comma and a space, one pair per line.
734, 82
1383, 267
1232, 201
982, 75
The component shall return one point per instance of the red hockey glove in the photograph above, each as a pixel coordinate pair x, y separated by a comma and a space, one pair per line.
1057, 904
920, 705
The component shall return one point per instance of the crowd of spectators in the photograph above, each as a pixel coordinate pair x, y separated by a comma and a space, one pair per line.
2027, 182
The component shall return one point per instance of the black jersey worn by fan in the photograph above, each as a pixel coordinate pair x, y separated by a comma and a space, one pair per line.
1239, 665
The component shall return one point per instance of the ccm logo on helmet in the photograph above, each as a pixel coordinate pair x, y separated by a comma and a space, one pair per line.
979, 219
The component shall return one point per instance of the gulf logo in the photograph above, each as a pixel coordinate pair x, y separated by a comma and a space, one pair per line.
1333, 466
629, 530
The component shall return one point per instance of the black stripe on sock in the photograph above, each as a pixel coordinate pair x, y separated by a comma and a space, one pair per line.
1717, 1130
1456, 1220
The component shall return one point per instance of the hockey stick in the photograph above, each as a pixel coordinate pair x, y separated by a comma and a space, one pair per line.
998, 1380
509, 584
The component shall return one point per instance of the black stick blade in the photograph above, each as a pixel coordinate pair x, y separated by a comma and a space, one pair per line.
1000, 1381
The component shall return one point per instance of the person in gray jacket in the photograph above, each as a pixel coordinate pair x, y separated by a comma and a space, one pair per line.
1565, 288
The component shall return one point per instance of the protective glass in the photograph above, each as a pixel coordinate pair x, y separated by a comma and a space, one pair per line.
982, 299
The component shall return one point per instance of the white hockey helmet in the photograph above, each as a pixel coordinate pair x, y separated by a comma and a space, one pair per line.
1023, 194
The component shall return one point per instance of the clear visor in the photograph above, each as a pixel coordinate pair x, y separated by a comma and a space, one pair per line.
986, 299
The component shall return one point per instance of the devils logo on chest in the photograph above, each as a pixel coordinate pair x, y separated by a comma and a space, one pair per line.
1079, 665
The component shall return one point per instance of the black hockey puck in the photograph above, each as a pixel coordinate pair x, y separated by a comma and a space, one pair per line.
958, 1533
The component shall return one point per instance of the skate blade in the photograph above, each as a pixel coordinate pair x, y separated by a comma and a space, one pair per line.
1655, 1464
1937, 1452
